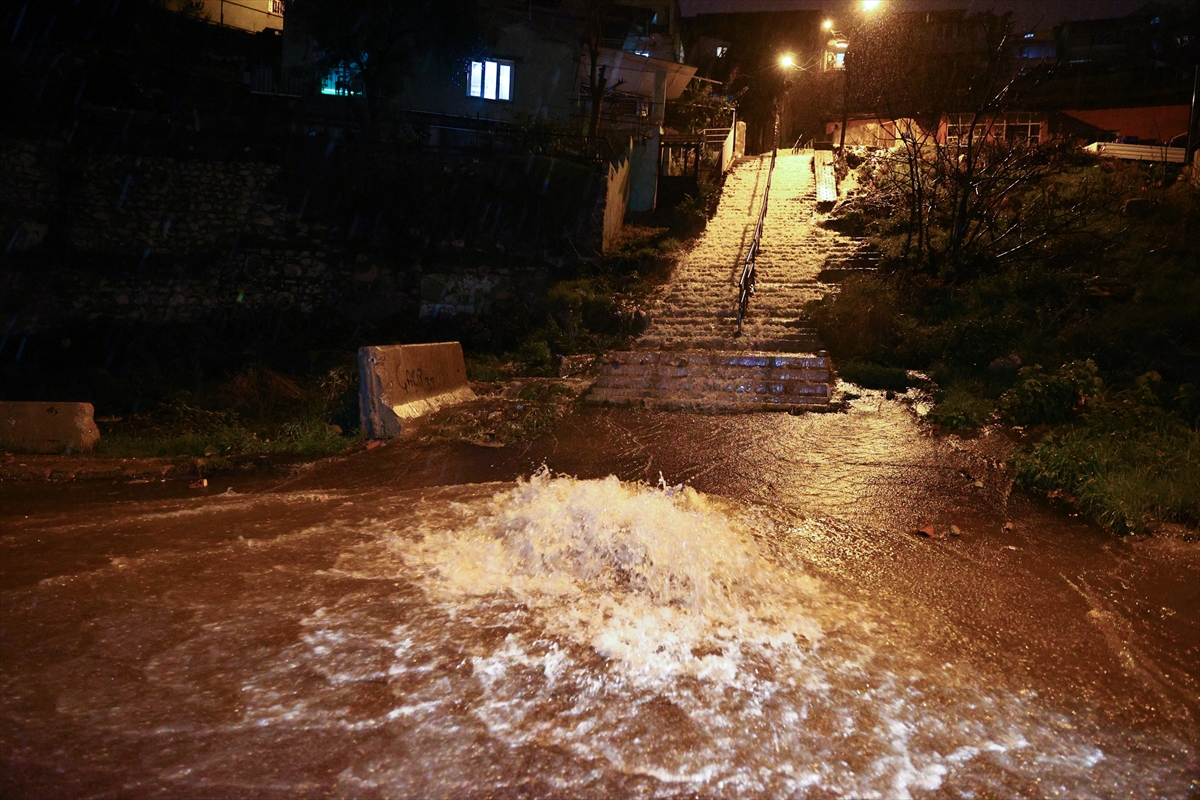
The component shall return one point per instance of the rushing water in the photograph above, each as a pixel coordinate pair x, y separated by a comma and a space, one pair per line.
558, 636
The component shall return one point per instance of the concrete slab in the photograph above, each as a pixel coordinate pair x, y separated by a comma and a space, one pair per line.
48, 427
401, 383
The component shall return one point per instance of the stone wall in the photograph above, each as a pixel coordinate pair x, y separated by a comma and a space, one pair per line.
155, 240
99, 238
171, 207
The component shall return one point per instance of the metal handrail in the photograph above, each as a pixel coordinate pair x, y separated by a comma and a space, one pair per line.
746, 282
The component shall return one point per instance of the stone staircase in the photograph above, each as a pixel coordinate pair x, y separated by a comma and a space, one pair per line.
691, 356
713, 381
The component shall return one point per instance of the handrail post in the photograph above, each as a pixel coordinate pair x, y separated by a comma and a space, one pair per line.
749, 268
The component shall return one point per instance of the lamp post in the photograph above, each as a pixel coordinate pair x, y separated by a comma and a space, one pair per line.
787, 62
867, 6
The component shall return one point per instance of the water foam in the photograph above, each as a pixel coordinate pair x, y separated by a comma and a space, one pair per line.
648, 629
660, 580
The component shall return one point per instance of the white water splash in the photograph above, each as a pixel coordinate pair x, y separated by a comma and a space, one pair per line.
646, 629
645, 577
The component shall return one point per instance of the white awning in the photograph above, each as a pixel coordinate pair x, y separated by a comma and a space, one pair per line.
638, 73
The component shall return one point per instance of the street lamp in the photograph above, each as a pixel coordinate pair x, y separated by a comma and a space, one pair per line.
867, 6
787, 61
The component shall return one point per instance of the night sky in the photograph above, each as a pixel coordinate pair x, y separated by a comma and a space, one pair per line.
1026, 13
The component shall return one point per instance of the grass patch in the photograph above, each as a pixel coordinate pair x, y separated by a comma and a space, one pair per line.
307, 438
1125, 480
256, 412
486, 367
875, 376
960, 407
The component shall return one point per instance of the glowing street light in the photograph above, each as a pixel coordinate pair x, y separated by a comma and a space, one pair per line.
827, 24
787, 61
870, 5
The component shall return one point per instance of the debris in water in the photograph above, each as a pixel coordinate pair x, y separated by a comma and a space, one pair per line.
200, 484
927, 530
1008, 526
978, 484
955, 530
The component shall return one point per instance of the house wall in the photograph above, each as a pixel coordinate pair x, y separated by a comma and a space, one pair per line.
1045, 133
643, 186
544, 81
864, 132
1151, 124
249, 15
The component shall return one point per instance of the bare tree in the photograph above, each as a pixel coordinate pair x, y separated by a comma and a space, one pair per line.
973, 193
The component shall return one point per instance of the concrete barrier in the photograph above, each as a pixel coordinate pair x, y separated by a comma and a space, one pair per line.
399, 383
48, 427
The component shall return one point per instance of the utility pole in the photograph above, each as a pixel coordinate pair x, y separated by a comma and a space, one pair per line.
1191, 140
845, 104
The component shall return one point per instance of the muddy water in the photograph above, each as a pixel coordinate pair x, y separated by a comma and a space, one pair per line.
434, 622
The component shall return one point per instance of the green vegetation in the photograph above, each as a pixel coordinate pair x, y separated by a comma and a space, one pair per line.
960, 406
1079, 326
592, 311
258, 412
875, 376
1128, 461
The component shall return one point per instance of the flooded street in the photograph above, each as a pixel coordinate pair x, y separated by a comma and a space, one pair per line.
678, 606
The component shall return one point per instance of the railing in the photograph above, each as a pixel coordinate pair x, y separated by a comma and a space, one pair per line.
265, 79
801, 145
746, 282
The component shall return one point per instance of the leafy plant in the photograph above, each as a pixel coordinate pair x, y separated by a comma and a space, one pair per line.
960, 408
875, 376
1042, 397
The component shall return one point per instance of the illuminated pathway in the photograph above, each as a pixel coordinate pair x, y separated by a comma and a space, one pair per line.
698, 309
691, 356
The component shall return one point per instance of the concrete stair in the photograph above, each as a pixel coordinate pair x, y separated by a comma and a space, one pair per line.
691, 356
707, 380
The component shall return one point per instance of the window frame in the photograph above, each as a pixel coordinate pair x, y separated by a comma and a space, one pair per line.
481, 79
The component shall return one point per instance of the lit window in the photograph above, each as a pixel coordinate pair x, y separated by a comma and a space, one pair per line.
721, 51
490, 80
839, 61
343, 80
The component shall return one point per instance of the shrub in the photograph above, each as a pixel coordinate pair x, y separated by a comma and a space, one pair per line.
875, 376
960, 408
1042, 397
536, 359
859, 322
